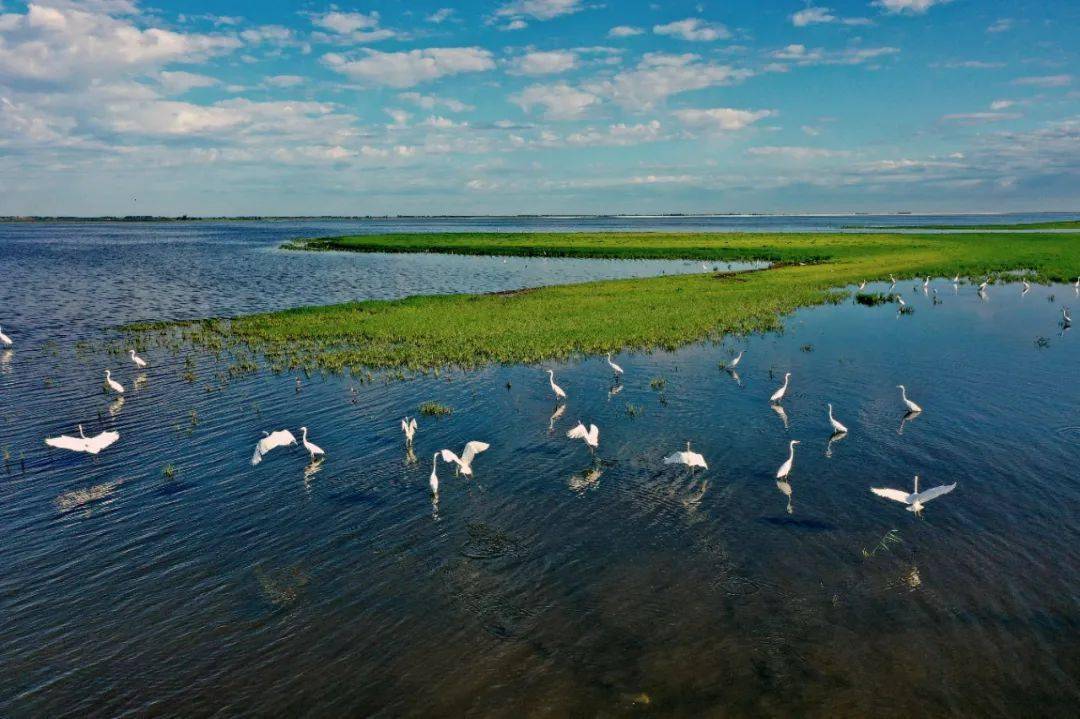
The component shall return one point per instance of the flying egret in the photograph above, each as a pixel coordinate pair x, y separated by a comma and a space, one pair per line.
408, 426
5, 339
113, 384
590, 435
313, 449
779, 394
433, 480
139, 361
837, 427
916, 499
1066, 317
82, 443
690, 459
735, 362
464, 462
785, 468
912, 407
559, 394
614, 367
272, 440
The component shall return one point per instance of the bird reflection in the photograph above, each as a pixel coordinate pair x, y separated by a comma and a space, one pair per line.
140, 381
908, 417
836, 437
615, 389
555, 416
780, 411
586, 479
694, 493
5, 360
115, 406
738, 381
310, 471
785, 487
410, 456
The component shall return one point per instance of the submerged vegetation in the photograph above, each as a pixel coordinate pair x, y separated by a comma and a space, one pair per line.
427, 332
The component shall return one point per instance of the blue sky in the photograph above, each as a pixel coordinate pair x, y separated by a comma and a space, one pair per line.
522, 106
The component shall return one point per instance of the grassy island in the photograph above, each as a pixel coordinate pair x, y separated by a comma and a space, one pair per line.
426, 332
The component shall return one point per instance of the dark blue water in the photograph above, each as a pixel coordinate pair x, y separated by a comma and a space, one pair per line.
554, 581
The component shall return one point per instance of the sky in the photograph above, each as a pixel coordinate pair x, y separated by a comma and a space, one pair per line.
538, 106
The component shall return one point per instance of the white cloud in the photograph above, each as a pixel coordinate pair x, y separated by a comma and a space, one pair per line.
1045, 81
406, 69
625, 31
970, 64
430, 102
539, 9
517, 24
176, 83
560, 101
618, 135
720, 119
659, 75
798, 153
693, 29
1002, 25
801, 55
441, 15
544, 62
910, 7
344, 23
979, 118
1002, 104
821, 15
284, 80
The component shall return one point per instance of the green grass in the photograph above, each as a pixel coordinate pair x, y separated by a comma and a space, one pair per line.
1052, 225
428, 332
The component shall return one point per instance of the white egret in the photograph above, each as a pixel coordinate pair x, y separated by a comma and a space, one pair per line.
408, 426
862, 285
614, 367
735, 362
590, 435
892, 279
433, 480
113, 384
139, 361
901, 301
5, 339
1027, 286
690, 459
837, 427
916, 499
464, 462
82, 443
1066, 317
956, 280
272, 440
1077, 283
779, 394
313, 449
912, 407
559, 394
982, 285
926, 282
785, 468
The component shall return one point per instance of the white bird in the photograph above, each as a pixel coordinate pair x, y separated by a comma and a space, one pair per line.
270, 441
912, 407
408, 426
926, 282
82, 443
1027, 286
1077, 283
735, 362
139, 361
982, 285
113, 384
690, 459
1066, 317
779, 394
590, 435
559, 394
5, 339
313, 449
433, 480
614, 367
837, 427
785, 468
916, 499
464, 462
956, 280
892, 279
862, 285
901, 301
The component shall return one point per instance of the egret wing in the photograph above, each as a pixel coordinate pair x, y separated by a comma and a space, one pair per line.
935, 492
894, 494
76, 444
450, 457
99, 442
594, 434
472, 449
578, 432
412, 424
676, 458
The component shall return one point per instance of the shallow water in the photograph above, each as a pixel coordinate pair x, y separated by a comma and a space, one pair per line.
551, 583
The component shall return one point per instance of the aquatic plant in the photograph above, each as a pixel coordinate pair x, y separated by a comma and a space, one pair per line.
435, 409
872, 299
658, 384
168, 471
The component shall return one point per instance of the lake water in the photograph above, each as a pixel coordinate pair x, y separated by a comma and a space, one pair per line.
552, 583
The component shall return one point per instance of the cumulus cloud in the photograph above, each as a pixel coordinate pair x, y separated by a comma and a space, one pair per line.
406, 69
625, 31
440, 16
1002, 25
720, 119
179, 82
801, 55
544, 62
430, 102
795, 152
354, 27
1044, 81
693, 29
909, 7
559, 101
821, 15
283, 81
660, 75
539, 9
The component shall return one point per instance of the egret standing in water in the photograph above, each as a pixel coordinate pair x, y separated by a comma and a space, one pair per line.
730, 366
614, 367
464, 462
901, 301
956, 280
113, 384
837, 427
912, 407
272, 440
779, 394
983, 284
139, 361
5, 339
1066, 317
862, 285
1027, 287
590, 435
559, 394
785, 468
690, 459
433, 480
408, 426
915, 500
926, 282
313, 449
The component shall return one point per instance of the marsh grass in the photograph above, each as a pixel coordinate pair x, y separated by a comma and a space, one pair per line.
421, 333
435, 409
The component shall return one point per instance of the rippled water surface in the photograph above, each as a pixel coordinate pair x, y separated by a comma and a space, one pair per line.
169, 576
